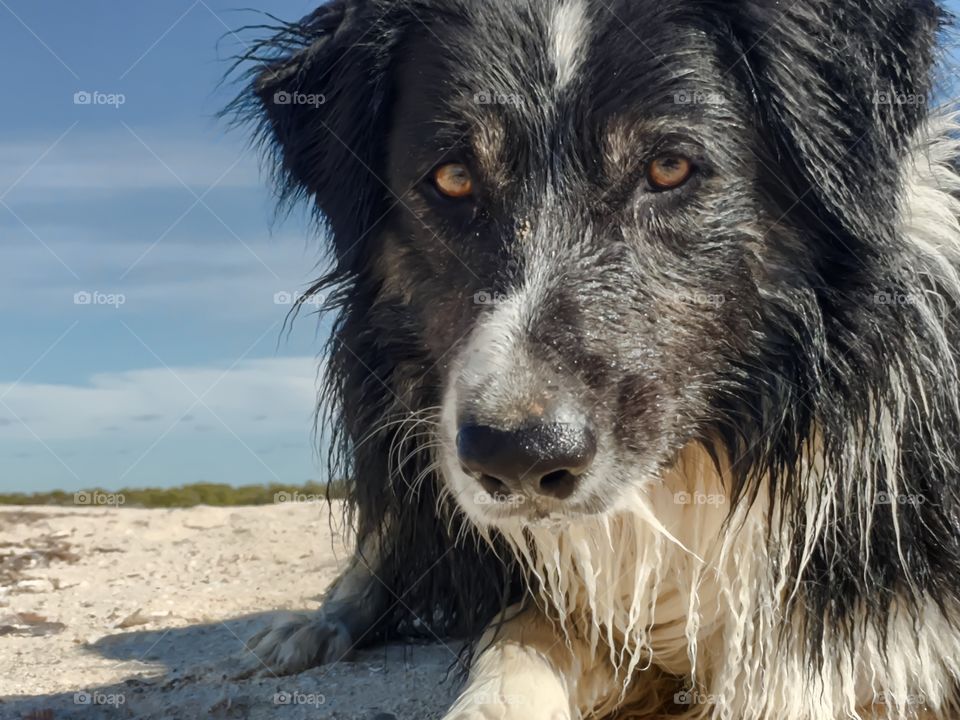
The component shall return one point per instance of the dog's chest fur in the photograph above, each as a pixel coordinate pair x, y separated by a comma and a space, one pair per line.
674, 598
653, 583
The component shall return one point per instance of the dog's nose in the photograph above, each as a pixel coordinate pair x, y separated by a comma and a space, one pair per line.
544, 458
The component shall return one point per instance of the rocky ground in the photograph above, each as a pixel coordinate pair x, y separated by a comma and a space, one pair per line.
115, 612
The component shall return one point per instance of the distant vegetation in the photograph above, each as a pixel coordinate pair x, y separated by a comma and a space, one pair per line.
183, 496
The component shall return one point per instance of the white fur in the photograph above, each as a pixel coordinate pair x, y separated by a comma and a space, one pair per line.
660, 588
568, 35
491, 352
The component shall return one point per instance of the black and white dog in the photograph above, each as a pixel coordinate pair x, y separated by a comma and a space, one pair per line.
646, 347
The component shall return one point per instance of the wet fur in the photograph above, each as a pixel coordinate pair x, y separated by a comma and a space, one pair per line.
801, 403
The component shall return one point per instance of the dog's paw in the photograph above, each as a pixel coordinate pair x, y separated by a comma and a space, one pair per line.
489, 706
502, 712
295, 643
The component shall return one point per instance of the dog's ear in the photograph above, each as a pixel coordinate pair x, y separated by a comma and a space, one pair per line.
841, 85
319, 97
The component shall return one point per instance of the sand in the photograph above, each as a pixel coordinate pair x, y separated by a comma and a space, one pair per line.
118, 612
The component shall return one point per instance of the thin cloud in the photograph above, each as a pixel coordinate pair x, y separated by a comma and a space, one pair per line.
140, 402
115, 161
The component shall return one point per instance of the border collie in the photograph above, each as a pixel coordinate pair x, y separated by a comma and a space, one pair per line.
644, 371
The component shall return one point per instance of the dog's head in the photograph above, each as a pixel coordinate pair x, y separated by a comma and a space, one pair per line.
611, 229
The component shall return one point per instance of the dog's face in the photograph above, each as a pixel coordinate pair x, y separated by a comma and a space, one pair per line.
579, 207
578, 213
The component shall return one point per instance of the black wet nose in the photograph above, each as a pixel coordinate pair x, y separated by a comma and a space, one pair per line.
545, 458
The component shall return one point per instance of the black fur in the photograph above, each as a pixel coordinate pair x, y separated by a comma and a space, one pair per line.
801, 150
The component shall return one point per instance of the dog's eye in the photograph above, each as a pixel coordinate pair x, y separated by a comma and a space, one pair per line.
669, 171
453, 180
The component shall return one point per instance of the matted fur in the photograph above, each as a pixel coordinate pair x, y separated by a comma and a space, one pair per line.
771, 527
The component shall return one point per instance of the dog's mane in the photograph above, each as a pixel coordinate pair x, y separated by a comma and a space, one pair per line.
858, 396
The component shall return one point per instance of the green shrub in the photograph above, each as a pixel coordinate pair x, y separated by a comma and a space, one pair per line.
184, 496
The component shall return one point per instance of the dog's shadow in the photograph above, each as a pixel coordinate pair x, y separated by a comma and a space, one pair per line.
190, 672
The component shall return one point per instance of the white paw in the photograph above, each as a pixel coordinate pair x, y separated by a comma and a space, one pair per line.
484, 706
502, 712
295, 643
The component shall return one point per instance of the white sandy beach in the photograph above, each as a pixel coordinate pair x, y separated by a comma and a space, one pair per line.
110, 612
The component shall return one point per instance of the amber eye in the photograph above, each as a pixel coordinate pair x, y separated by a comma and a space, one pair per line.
453, 180
669, 171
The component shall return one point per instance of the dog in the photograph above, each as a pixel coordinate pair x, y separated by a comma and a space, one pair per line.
644, 366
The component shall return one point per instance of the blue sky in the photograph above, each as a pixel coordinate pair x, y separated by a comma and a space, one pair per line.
150, 201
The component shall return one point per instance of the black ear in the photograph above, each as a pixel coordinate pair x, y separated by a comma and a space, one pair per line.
843, 85
319, 97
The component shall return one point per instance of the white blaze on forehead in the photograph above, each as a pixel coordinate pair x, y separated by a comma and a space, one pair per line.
568, 34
